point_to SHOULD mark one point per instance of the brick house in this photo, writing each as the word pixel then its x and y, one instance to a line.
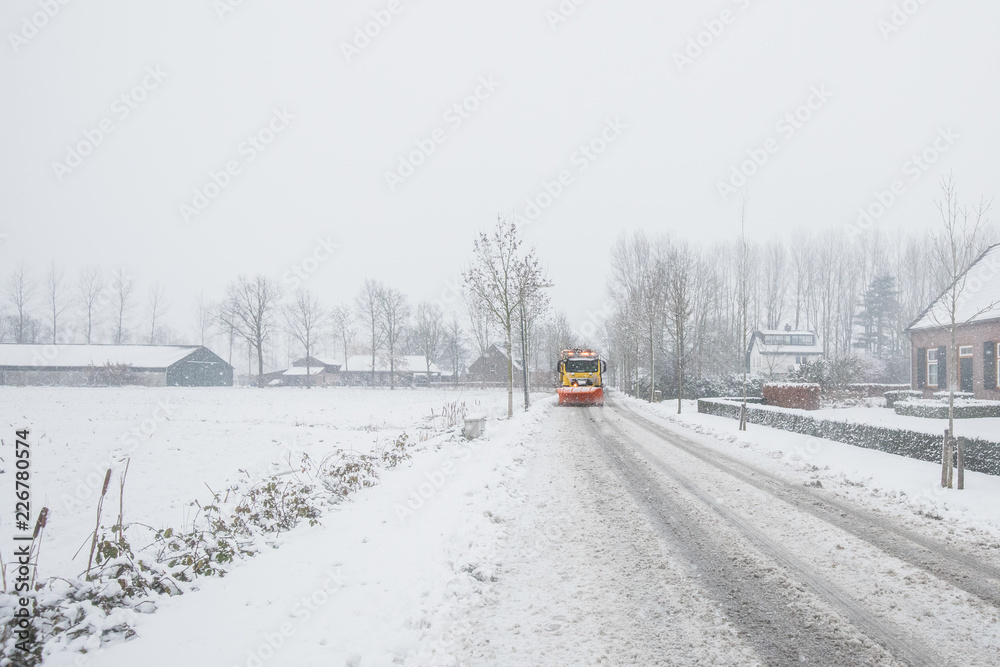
pixel 978 333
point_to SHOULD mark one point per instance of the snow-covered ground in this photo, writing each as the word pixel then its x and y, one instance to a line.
pixel 984 428
pixel 184 441
pixel 866 475
pixel 564 536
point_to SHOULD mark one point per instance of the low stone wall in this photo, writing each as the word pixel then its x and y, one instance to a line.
pixel 980 455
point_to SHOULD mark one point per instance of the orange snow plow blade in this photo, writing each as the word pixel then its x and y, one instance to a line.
pixel 581 395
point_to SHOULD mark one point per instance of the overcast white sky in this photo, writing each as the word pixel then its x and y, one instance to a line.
pixel 324 175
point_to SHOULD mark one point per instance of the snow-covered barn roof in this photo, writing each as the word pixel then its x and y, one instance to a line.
pixel 301 370
pixel 979 299
pixel 410 362
pixel 499 348
pixel 13 355
pixel 325 361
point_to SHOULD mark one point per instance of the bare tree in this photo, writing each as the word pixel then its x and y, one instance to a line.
pixel 56 302
pixel 492 278
pixel 121 295
pixel 532 303
pixel 90 285
pixel 955 248
pixel 157 304
pixel 775 282
pixel 681 275
pixel 429 333
pixel 480 323
pixel 224 320
pixel 344 331
pixel 304 318
pixel 20 290
pixel 369 303
pixel 203 317
pixel 250 307
pixel 394 313
pixel 453 336
pixel 744 289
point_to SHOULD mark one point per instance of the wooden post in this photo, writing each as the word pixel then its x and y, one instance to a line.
pixel 950 454
pixel 944 459
pixel 961 464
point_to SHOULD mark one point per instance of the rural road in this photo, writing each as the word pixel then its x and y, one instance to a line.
pixel 645 547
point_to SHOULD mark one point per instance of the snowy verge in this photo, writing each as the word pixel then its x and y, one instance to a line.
pixel 385 579
pixel 908 488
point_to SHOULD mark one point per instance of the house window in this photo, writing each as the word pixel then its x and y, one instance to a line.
pixel 932 366
pixel 965 351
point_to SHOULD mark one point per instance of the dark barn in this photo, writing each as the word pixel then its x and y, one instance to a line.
pixel 90 365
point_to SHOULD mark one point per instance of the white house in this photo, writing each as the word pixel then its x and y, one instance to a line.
pixel 776 353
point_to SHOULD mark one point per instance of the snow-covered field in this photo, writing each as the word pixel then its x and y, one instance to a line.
pixel 564 536
pixel 184 441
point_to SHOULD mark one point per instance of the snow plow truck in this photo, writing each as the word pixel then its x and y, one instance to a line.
pixel 581 378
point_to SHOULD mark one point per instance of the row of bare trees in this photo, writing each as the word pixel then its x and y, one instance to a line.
pixel 93 308
pixel 684 312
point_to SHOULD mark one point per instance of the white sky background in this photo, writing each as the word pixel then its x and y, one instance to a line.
pixel 324 175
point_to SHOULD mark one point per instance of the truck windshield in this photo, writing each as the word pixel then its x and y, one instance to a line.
pixel 582 365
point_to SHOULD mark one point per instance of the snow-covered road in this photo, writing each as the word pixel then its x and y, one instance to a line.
pixel 648 548
pixel 592 536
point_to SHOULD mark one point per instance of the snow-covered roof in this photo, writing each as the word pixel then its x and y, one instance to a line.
pixel 979 299
pixel 499 348
pixel 782 332
pixel 82 356
pixel 301 370
pixel 790 349
pixel 757 342
pixel 409 362
pixel 325 361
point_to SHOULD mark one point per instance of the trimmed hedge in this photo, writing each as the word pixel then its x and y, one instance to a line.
pixel 801 396
pixel 939 410
pixel 980 455
pixel 893 397
pixel 874 389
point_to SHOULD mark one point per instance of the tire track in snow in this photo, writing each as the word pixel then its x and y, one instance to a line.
pixel 785 623
pixel 946 563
